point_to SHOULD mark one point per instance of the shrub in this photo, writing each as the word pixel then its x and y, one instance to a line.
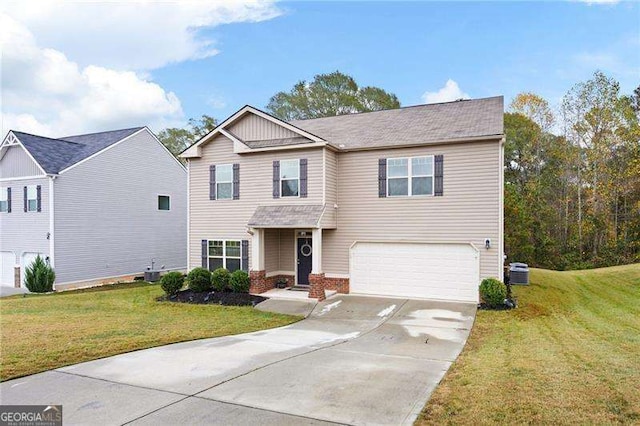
pixel 239 281
pixel 220 279
pixel 39 276
pixel 172 282
pixel 199 280
pixel 493 292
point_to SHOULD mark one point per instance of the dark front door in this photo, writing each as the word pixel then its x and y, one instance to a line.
pixel 305 253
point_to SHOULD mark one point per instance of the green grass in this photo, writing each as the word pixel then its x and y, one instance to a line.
pixel 569 354
pixel 41 332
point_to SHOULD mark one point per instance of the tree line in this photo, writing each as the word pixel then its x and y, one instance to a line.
pixel 572 173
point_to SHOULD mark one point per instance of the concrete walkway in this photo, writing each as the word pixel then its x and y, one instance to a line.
pixel 354 360
pixel 10 291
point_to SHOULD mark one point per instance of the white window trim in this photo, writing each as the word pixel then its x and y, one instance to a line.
pixel 410 177
pixel 224 181
pixel 4 196
pixel 35 188
pixel 224 252
pixel 282 179
pixel 158 202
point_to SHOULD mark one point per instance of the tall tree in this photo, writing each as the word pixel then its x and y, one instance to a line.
pixel 329 95
pixel 178 139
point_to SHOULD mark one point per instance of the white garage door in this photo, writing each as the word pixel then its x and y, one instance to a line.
pixel 27 259
pixel 7 264
pixel 433 271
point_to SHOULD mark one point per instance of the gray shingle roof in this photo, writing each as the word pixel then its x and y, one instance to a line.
pixel 55 155
pixel 290 216
pixel 421 124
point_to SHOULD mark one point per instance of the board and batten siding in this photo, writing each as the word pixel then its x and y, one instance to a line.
pixel 227 219
pixel 16 163
pixel 253 127
pixel 22 231
pixel 468 212
pixel 107 222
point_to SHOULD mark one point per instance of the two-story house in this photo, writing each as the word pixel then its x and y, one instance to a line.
pixel 99 208
pixel 405 202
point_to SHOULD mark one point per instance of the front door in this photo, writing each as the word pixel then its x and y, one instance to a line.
pixel 304 254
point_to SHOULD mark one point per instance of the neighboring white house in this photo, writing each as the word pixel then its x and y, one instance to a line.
pixel 99 207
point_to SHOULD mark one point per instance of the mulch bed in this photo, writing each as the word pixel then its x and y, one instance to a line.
pixel 214 298
pixel 513 304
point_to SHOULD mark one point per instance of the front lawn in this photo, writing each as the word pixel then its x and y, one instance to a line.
pixel 570 353
pixel 41 332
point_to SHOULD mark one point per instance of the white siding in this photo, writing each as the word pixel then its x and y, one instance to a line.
pixel 107 221
pixel 22 231
pixel 16 162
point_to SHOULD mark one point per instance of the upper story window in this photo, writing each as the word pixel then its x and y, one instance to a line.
pixel 4 200
pixel 410 176
pixel 164 202
pixel 32 198
pixel 224 181
pixel 290 178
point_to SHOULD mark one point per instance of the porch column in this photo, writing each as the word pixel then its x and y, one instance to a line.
pixel 316 259
pixel 257 250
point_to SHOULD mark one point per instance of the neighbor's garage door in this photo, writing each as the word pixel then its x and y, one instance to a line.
pixel 433 271
pixel 7 264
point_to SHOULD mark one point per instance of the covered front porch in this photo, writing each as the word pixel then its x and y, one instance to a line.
pixel 286 250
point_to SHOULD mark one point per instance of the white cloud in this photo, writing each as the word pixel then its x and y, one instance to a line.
pixel 134 35
pixel 449 92
pixel 44 92
pixel 73 67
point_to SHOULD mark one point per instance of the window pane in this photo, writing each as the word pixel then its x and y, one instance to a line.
pixel 422 166
pixel 289 169
pixel 215 263
pixel 399 186
pixel 32 193
pixel 163 202
pixel 233 249
pixel 224 173
pixel 290 188
pixel 397 167
pixel 233 264
pixel 3 194
pixel 421 185
pixel 33 205
pixel 223 190
pixel 215 248
pixel 4 206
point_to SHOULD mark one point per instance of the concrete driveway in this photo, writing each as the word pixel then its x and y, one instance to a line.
pixel 354 360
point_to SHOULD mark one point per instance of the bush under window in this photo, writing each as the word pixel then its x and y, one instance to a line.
pixel 220 279
pixel 199 280
pixel 239 281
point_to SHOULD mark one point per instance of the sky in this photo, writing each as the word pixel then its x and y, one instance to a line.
pixel 79 67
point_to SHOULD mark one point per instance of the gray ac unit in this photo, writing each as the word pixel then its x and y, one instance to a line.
pixel 519 273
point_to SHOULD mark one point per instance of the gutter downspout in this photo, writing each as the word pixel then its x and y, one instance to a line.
pixel 52 233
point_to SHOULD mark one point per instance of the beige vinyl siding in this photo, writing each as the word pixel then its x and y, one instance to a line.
pixel 468 212
pixel 272 249
pixel 253 127
pixel 16 163
pixel 287 250
pixel 330 215
pixel 228 219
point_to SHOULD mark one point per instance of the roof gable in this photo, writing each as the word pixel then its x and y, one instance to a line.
pixel 55 155
pixel 251 129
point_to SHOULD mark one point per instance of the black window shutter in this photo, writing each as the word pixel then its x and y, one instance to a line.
pixel 438 175
pixel 245 255
pixel 39 197
pixel 212 182
pixel 205 258
pixel 25 198
pixel 236 181
pixel 382 177
pixel 276 179
pixel 8 200
pixel 303 177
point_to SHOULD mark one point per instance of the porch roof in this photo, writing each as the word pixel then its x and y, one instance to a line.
pixel 288 216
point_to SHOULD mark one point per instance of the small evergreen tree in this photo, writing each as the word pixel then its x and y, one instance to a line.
pixel 39 276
